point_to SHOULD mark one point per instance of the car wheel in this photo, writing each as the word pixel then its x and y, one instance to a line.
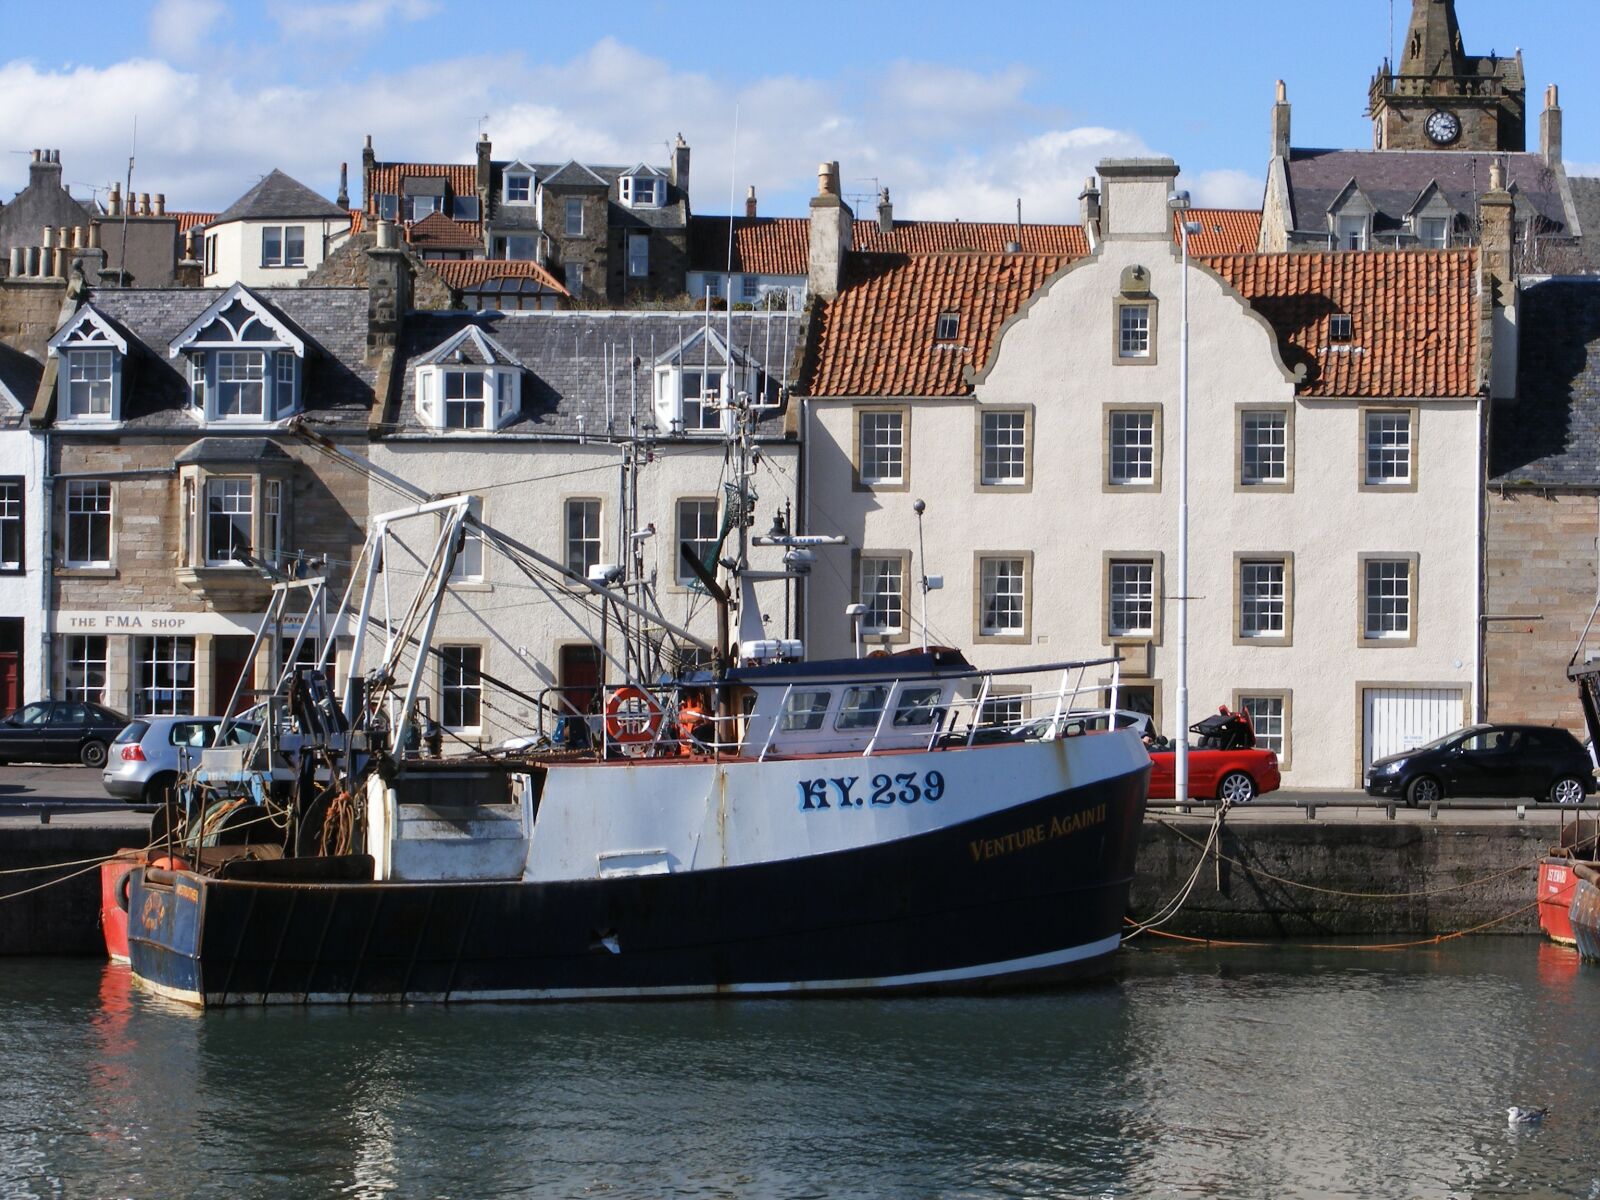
pixel 1423 790
pixel 93 754
pixel 155 791
pixel 1236 788
pixel 1567 790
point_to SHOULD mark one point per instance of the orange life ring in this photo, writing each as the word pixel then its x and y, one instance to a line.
pixel 632 726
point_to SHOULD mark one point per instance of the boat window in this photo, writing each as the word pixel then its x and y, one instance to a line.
pixel 804 712
pixel 861 707
pixel 917 706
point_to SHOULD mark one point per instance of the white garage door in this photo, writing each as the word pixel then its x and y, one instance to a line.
pixel 1395 719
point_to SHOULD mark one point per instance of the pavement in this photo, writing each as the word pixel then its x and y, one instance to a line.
pixel 73 795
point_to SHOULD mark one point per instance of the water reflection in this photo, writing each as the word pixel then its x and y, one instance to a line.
pixel 1213 1073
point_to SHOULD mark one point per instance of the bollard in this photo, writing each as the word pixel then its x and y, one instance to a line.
pixel 1522 812
pixel 1311 812
pixel 44 816
pixel 1389 808
pixel 1433 811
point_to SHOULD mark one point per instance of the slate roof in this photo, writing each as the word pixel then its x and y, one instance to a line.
pixel 1414 318
pixel 1393 180
pixel 1550 434
pixel 233 449
pixel 566 355
pixel 19 376
pixel 463 273
pixel 1222 230
pixel 781 245
pixel 877 337
pixel 337 382
pixel 279 196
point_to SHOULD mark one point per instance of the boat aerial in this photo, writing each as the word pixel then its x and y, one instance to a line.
pixel 744 823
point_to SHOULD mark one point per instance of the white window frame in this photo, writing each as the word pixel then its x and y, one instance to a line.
pixel 1388 599
pixel 285 255
pixel 468 564
pixel 572 207
pixel 91 384
pixel 1263 583
pixel 271 549
pixel 586 542
pixel 253 364
pixel 1134 328
pixel 1131 593
pixel 638 255
pixel 166 661
pixel 85 667
pixel 1131 458
pixel 90 504
pixel 1350 232
pixel 1433 233
pixel 574 279
pixel 1005 448
pixel 461 682
pixel 1389 439
pixel 1002 596
pixel 463 406
pixel 881 442
pixel 881 588
pixel 223 497
pixel 1269 713
pixel 643 191
pixel 694 511
pixel 707 418
pixel 13 524
pixel 1263 460
pixel 517 187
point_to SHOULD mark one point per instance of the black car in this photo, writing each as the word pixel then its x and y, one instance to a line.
pixel 59 731
pixel 1488 760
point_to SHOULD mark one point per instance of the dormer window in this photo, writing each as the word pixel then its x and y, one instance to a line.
pixel 243 363
pixel 1352 233
pixel 469 383
pixel 643 191
pixel 388 205
pixel 91 353
pixel 519 187
pixel 1433 232
pixel 464 208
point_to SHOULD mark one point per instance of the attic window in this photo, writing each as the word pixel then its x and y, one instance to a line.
pixel 641 191
pixel 946 327
pixel 519 188
pixel 1341 327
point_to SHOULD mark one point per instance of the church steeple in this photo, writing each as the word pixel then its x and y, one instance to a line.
pixel 1443 98
pixel 1433 41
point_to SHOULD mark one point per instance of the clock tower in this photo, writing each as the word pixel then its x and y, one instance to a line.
pixel 1443 98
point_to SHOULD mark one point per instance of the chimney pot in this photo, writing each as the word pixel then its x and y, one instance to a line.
pixel 750 203
pixel 828 179
pixel 1283 93
pixel 160 208
pixel 885 213
pixel 144 204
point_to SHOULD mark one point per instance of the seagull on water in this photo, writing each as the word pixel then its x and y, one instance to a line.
pixel 1517 1115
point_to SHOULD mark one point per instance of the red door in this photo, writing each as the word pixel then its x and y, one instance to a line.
pixel 230 663
pixel 10 664
pixel 580 676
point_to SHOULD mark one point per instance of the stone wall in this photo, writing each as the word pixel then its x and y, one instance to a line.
pixel 1539 568
pixel 29 313
pixel 348 267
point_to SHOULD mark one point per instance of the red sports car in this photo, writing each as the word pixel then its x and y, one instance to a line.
pixel 1223 763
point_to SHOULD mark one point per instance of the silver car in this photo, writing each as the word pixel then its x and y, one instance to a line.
pixel 148 754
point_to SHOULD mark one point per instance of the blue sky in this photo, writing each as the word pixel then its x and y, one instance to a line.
pixel 958 108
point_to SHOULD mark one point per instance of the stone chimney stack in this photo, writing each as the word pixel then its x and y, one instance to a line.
pixel 1089 211
pixel 369 163
pixel 1133 206
pixel 343 198
pixel 1497 281
pixel 1550 127
pixel 680 167
pixel 158 206
pixel 389 281
pixel 885 213
pixel 485 161
pixel 750 203
pixel 114 201
pixel 832 231
pixel 44 171
pixel 1280 123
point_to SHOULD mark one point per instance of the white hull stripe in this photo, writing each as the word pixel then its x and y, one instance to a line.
pixel 1015 966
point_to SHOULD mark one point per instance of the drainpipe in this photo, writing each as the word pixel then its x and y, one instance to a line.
pixel 1480 627
pixel 47 610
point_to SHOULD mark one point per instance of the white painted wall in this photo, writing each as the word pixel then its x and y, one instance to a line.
pixel 524 486
pixel 21 595
pixel 239 251
pixel 1058 356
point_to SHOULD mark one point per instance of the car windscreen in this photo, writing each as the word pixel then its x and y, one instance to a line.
pixel 132 732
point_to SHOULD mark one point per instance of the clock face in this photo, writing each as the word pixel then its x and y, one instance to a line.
pixel 1443 127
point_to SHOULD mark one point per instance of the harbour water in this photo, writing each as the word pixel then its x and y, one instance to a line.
pixel 1291 1071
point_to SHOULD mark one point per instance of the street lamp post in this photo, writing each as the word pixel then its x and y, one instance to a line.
pixel 1178 202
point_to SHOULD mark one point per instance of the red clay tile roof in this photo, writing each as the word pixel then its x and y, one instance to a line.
pixel 386 178
pixel 1414 318
pixel 441 232
pixel 989 237
pixel 780 245
pixel 188 220
pixel 357 221
pixel 761 245
pixel 463 273
pixel 877 337
pixel 1223 230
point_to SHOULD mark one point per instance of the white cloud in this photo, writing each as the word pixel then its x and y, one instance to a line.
pixel 181 27
pixel 949 142
pixel 1226 189
pixel 338 18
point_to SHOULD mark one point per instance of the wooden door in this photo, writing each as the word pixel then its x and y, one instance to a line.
pixel 230 662
pixel 10 664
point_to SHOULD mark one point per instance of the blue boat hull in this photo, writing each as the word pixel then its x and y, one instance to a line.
pixel 1035 893
pixel 1585 917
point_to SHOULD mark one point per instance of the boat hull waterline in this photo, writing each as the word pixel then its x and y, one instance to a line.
pixel 1033 893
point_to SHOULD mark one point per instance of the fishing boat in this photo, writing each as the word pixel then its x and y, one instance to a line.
pixel 1569 902
pixel 750 823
